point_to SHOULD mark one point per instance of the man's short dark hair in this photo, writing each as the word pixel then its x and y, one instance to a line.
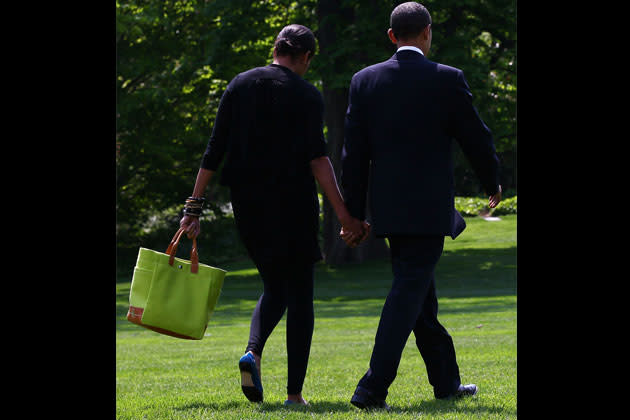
pixel 409 19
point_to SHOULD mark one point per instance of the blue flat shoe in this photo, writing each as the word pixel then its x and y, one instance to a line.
pixel 250 381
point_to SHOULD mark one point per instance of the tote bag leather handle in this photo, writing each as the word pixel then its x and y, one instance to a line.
pixel 172 250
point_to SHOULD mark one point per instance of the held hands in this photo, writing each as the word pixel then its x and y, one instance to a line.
pixel 353 231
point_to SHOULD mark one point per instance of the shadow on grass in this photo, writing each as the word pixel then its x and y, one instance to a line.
pixel 454 406
pixel 320 407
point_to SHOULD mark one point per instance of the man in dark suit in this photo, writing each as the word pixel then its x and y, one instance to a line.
pixel 402 116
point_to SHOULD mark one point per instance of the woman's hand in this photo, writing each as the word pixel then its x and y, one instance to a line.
pixel 191 225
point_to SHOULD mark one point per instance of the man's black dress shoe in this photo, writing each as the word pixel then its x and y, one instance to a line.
pixel 366 400
pixel 463 390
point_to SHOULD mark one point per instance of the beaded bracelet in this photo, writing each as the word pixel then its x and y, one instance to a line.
pixel 188 212
pixel 192 212
pixel 193 206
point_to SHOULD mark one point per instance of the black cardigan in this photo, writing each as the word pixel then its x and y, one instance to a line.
pixel 269 126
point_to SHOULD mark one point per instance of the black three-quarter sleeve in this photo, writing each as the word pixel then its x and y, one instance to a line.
pixel 316 142
pixel 217 144
pixel 474 137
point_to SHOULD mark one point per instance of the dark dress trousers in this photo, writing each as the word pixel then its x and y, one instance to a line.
pixel 402 117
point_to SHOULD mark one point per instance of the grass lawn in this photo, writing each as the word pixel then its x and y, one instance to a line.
pixel 160 377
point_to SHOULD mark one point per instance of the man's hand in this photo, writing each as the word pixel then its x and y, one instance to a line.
pixel 191 225
pixel 494 200
pixel 352 238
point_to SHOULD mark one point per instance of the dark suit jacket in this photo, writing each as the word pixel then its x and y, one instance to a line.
pixel 402 116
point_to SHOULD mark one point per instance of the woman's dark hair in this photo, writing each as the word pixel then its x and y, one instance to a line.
pixel 294 40
pixel 409 19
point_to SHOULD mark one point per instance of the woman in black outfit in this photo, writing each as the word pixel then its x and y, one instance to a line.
pixel 269 130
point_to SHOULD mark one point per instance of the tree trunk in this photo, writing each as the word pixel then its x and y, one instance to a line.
pixel 335 105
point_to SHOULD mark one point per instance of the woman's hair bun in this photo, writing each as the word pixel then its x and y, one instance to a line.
pixel 294 40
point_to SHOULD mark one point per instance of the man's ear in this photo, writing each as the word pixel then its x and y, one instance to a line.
pixel 426 33
pixel 308 56
pixel 392 37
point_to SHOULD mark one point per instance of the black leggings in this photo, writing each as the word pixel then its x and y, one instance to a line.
pixel 287 286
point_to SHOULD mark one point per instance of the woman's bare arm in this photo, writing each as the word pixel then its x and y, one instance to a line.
pixel 191 223
pixel 324 174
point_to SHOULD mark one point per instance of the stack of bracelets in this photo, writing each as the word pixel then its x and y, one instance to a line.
pixel 193 206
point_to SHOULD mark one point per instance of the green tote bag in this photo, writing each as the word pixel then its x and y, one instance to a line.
pixel 173 296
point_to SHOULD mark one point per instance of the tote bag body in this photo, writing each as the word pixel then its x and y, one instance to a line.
pixel 173 296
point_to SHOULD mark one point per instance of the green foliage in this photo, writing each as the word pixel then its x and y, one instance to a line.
pixel 175 58
pixel 479 37
pixel 167 97
pixel 506 206
pixel 473 206
pixel 470 206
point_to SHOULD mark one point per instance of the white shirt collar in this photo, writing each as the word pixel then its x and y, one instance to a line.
pixel 409 47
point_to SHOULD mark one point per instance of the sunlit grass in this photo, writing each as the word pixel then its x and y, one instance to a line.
pixel 160 377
